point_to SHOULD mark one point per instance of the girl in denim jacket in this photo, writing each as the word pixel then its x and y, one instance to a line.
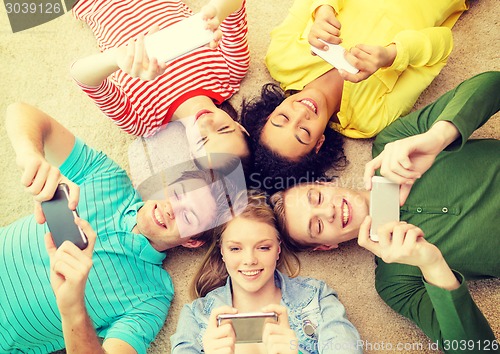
pixel 239 274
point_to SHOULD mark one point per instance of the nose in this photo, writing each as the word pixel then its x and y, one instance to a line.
pixel 301 111
pixel 249 258
pixel 327 210
pixel 205 122
pixel 169 212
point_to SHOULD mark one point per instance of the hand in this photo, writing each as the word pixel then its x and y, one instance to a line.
pixel 325 27
pixel 279 338
pixel 210 16
pixel 404 161
pixel 219 339
pixel 69 270
pixel 399 242
pixel 133 59
pixel 368 59
pixel 40 179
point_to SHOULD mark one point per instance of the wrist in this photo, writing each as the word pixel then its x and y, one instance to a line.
pixel 444 133
pixel 323 11
pixel 391 51
pixel 439 274
pixel 73 313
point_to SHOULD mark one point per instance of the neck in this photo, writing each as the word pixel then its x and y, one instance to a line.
pixel 190 107
pixel 252 302
pixel 331 85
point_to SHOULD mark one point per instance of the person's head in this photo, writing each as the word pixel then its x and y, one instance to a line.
pixel 185 214
pixel 216 131
pixel 319 216
pixel 289 139
pixel 247 248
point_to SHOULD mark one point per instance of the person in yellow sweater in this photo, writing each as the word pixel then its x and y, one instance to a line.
pixel 398 47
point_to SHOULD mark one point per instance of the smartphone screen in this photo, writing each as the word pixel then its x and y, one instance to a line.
pixel 384 204
pixel 61 219
pixel 178 39
pixel 248 327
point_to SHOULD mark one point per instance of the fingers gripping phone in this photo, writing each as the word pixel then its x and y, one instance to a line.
pixel 248 327
pixel 384 204
pixel 61 219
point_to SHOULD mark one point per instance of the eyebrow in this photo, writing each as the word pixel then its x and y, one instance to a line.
pixel 295 135
pixel 206 139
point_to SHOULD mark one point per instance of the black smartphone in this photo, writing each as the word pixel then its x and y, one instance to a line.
pixel 61 219
pixel 248 327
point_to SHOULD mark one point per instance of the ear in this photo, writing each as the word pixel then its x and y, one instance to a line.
pixel 279 252
pixel 319 143
pixel 242 128
pixel 325 247
pixel 193 244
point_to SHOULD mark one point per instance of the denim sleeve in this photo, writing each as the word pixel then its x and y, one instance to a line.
pixel 187 337
pixel 335 333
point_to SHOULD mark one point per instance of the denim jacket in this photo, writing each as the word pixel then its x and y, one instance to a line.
pixel 314 312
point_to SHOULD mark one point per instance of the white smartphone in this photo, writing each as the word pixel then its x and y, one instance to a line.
pixel 384 204
pixel 335 56
pixel 248 327
pixel 178 39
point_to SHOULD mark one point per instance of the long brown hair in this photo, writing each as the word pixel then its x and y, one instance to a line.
pixel 212 272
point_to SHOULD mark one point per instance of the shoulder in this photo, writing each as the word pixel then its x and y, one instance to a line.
pixel 203 306
pixel 302 291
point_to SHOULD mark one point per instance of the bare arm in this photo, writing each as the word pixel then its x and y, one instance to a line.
pixel 69 270
pixel 41 145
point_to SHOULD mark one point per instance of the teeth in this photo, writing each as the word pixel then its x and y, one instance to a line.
pixel 158 217
pixel 249 273
pixel 345 213
pixel 309 104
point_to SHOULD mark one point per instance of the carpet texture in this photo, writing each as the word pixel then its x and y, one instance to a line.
pixel 34 68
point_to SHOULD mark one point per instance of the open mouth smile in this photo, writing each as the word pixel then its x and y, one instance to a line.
pixel 310 104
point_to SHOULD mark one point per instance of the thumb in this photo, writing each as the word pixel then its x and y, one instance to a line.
pixel 90 233
pixel 153 29
pixel 404 191
pixel 406 162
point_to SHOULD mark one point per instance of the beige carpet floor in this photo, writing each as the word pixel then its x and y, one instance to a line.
pixel 34 68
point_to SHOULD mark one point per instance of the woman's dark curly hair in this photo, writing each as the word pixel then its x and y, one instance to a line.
pixel 273 172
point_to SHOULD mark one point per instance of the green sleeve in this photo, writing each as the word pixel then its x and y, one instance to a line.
pixel 468 106
pixel 444 316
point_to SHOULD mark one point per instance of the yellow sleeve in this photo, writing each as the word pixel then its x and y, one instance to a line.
pixel 335 4
pixel 425 47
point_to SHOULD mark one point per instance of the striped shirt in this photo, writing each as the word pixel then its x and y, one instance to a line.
pixel 128 292
pixel 143 107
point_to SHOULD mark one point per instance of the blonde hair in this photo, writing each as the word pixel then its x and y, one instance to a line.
pixel 212 272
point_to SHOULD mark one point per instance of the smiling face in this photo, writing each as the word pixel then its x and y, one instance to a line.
pixel 214 131
pixel 250 250
pixel 296 126
pixel 188 210
pixel 322 214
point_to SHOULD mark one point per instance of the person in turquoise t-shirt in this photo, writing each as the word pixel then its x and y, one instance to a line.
pixel 450 189
pixel 116 289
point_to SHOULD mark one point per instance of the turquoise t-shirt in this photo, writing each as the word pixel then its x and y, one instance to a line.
pixel 128 293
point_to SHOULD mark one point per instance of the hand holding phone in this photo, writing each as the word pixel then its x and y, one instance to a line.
pixel 178 39
pixel 61 219
pixel 248 327
pixel 335 55
pixel 384 204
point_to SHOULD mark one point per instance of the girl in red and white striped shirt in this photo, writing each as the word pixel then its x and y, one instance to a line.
pixel 142 95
